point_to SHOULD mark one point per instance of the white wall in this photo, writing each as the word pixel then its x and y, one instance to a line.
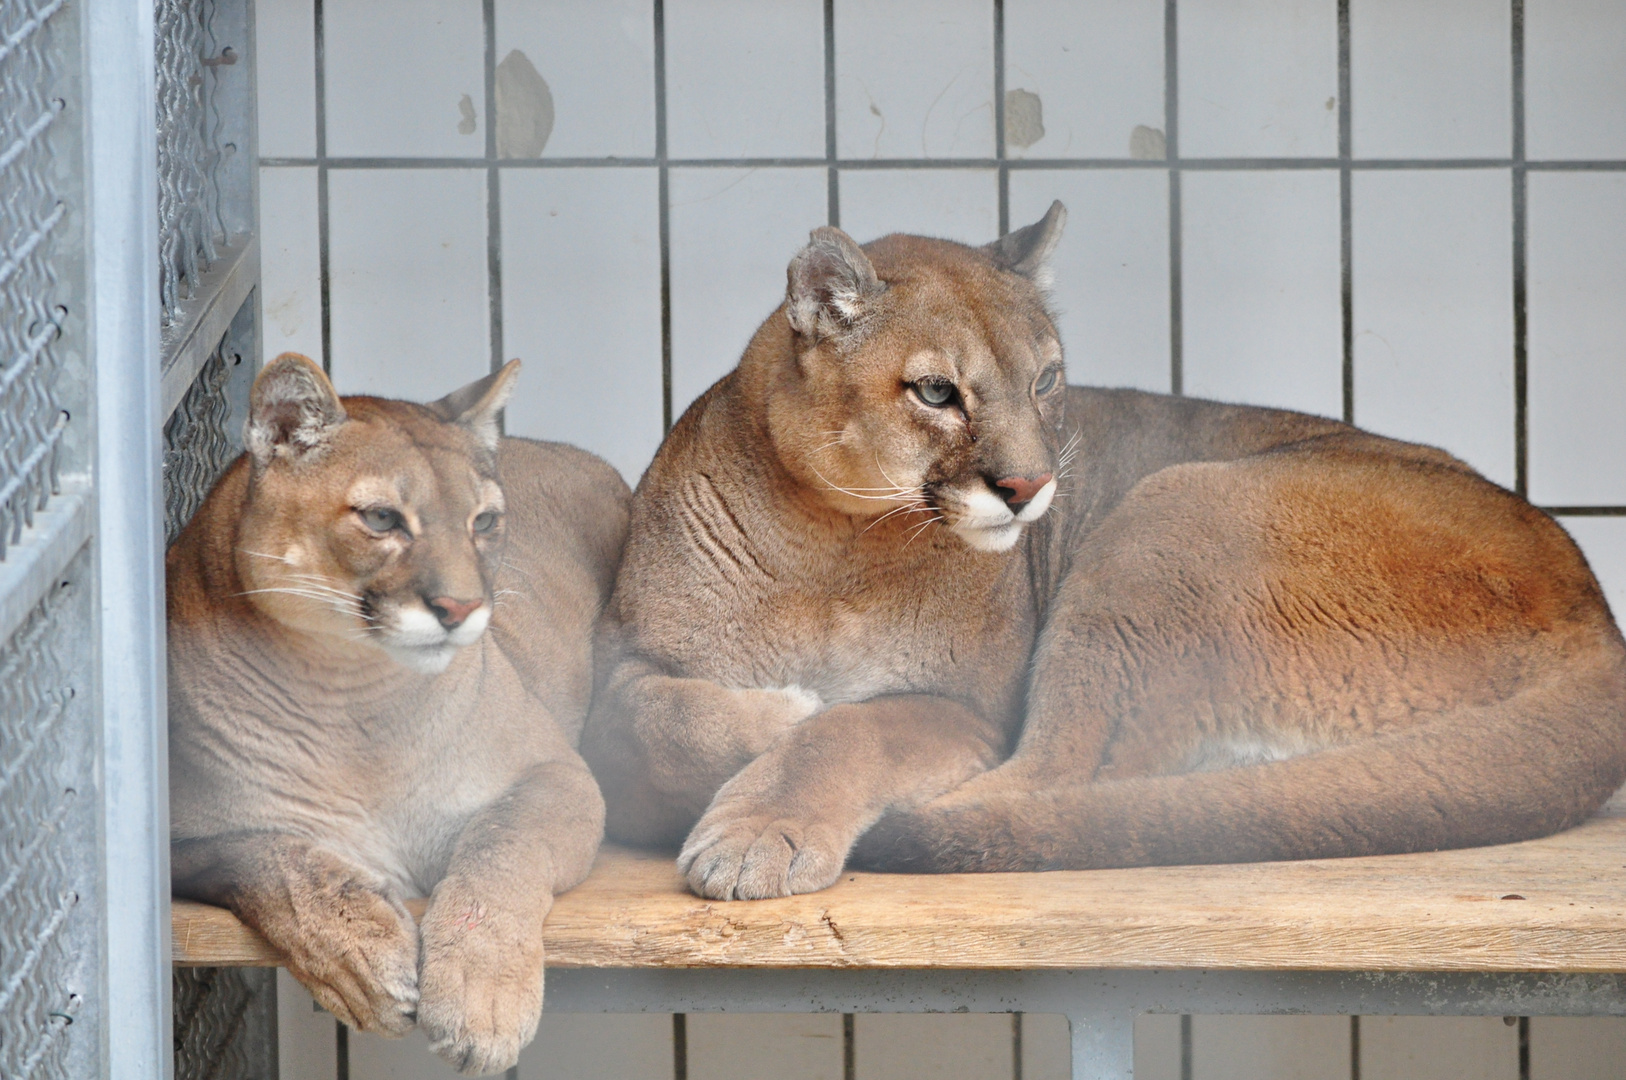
pixel 1366 258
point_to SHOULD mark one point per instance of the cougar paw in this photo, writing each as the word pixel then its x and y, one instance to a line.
pixel 353 947
pixel 481 983
pixel 757 857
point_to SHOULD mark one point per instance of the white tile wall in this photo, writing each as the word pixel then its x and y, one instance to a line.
pixel 306 1036
pixel 285 71
pixel 1577 338
pixel 593 1046
pixel 1261 295
pixel 912 87
pixel 1112 270
pixel 1258 78
pixel 973 1046
pixel 1270 1047
pixel 407 257
pixel 954 204
pixel 1574 79
pixel 1603 541
pixel 1439 1048
pixel 745 79
pixel 1431 80
pixel 1096 67
pixel 1433 312
pixel 733 233
pixel 1577 1048
pixel 398 72
pixel 581 308
pixel 290 264
pixel 746 1046
pixel 598 60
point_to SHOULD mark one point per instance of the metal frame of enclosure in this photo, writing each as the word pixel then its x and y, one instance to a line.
pixel 128 263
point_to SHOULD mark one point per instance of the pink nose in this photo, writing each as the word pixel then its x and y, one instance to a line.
pixel 452 613
pixel 1023 488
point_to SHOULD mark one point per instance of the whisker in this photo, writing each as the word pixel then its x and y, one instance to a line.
pixel 920 508
pixel 921 528
pixel 263 555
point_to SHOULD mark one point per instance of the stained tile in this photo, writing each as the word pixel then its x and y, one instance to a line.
pixel 1577 372
pixel 582 309
pixel 598 62
pixel 733 232
pixel 290 290
pixel 1111 290
pixel 405 78
pixel 1433 294
pixel 914 82
pixel 1574 81
pixel 306 1036
pixel 745 79
pixel 1262 317
pixel 407 256
pixel 595 1046
pixel 1431 80
pixel 1270 1048
pixel 745 1046
pixel 1438 1047
pixel 962 1046
pixel 285 73
pixel 1094 70
pixel 1258 78
pixel 955 204
pixel 1603 541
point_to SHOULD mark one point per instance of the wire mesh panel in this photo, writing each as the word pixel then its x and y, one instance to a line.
pixel 196 446
pixel 31 211
pixel 47 827
pixel 225 1023
pixel 188 150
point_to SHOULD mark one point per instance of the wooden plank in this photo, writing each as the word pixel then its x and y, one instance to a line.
pixel 1557 904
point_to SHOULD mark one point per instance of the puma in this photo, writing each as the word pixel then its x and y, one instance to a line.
pixel 892 583
pixel 380 627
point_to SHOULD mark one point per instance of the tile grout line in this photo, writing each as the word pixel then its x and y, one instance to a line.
pixel 1524 1048
pixel 1354 1044
pixel 990 164
pixel 849 1056
pixel 1521 316
pixel 832 192
pixel 664 209
pixel 1185 1048
pixel 680 1033
pixel 999 119
pixel 488 14
pixel 1346 258
pixel 1016 1046
pixel 323 276
pixel 1171 152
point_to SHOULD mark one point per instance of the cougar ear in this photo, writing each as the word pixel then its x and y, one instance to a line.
pixel 293 411
pixel 476 405
pixel 1027 251
pixel 829 285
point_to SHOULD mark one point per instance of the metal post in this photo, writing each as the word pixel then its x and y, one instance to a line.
pixel 129 511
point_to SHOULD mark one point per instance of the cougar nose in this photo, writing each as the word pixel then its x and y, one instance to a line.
pixel 450 612
pixel 1022 488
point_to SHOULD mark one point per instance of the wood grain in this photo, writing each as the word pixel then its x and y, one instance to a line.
pixel 1442 911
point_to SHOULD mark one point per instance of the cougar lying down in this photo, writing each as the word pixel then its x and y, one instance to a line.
pixel 893 576
pixel 379 649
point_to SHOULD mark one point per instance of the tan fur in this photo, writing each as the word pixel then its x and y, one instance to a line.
pixel 329 756
pixel 1238 633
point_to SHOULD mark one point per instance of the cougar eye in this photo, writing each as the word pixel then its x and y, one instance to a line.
pixel 935 392
pixel 380 518
pixel 485 521
pixel 1046 383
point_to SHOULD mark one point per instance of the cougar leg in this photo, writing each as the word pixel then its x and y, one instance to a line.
pixel 482 934
pixel 785 823
pixel 345 934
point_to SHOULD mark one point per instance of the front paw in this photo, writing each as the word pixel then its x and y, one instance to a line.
pixel 743 852
pixel 481 979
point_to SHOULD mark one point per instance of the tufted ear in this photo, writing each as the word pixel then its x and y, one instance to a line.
pixel 830 285
pixel 476 405
pixel 1027 251
pixel 293 411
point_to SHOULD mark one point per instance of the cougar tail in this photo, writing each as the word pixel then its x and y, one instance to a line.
pixel 1537 762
